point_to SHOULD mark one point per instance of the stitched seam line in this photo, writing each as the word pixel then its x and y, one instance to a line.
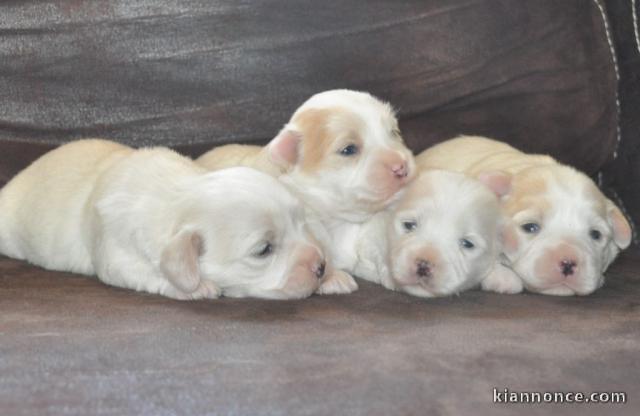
pixel 614 59
pixel 636 32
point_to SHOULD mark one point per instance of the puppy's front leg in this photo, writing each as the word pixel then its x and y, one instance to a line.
pixel 337 282
pixel 502 280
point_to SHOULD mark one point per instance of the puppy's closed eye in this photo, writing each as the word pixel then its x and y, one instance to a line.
pixel 264 250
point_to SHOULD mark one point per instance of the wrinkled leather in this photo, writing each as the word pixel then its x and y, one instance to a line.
pixel 191 74
pixel 198 73
pixel 70 345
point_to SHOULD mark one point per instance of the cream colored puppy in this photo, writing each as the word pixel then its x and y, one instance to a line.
pixel 154 221
pixel 439 239
pixel 562 232
pixel 342 154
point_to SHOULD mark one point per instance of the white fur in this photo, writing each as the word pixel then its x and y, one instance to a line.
pixel 446 207
pixel 567 221
pixel 565 204
pixel 343 193
pixel 154 221
pixel 339 201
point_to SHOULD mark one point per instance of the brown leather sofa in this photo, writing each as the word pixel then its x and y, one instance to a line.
pixel 558 77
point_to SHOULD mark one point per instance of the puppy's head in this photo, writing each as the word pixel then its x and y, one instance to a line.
pixel 344 153
pixel 244 231
pixel 443 233
pixel 563 232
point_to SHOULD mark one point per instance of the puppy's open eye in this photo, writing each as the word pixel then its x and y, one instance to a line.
pixel 409 226
pixel 595 235
pixel 349 150
pixel 531 228
pixel 467 244
pixel 265 250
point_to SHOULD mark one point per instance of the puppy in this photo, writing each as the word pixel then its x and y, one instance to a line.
pixel 232 155
pixel 439 239
pixel 342 154
pixel 562 232
pixel 154 221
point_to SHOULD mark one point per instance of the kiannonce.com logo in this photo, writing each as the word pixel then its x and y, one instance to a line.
pixel 509 396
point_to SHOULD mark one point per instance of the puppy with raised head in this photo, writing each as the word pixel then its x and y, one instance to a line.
pixel 342 154
pixel 561 232
pixel 154 221
pixel 439 239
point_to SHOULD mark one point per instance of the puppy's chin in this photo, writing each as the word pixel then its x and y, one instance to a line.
pixel 372 201
pixel 275 294
pixel 561 289
pixel 301 283
pixel 435 286
pixel 416 290
pixel 384 192
pixel 429 290
pixel 540 269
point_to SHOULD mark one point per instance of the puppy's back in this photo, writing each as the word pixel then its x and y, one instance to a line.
pixel 233 155
pixel 475 154
pixel 42 208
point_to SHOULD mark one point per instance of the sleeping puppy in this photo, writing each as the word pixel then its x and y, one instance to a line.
pixel 342 155
pixel 439 239
pixel 562 232
pixel 232 155
pixel 154 221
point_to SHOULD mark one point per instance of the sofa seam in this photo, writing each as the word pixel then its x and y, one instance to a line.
pixel 614 60
pixel 636 31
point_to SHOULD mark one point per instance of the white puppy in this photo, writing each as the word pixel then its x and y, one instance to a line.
pixel 154 221
pixel 439 239
pixel 343 155
pixel 562 232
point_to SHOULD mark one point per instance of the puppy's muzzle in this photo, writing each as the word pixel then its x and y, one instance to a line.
pixel 568 267
pixel 562 263
pixel 400 170
pixel 424 269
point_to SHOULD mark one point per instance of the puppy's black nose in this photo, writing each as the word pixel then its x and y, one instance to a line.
pixel 568 267
pixel 319 269
pixel 423 268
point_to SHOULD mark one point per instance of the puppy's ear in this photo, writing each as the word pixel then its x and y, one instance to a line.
pixel 179 260
pixel 498 181
pixel 284 149
pixel 621 227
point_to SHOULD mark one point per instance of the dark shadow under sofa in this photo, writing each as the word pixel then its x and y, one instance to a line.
pixel 554 77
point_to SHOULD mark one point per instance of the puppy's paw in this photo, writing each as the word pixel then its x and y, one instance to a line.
pixel 338 282
pixel 502 280
pixel 389 283
pixel 206 290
